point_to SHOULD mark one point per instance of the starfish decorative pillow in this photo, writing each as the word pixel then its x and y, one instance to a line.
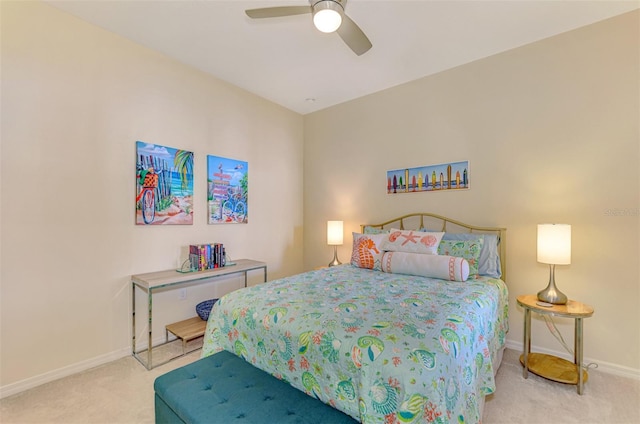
pixel 411 241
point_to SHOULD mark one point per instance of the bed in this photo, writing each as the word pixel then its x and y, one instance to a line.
pixel 382 347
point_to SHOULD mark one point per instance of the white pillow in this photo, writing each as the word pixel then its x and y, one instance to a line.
pixel 411 242
pixel 450 268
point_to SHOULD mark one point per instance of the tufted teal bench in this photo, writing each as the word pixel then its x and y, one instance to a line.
pixel 223 389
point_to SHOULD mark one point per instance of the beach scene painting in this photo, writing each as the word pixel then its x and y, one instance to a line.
pixel 430 178
pixel 227 190
pixel 164 185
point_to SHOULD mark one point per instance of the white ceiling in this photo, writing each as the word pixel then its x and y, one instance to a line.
pixel 289 62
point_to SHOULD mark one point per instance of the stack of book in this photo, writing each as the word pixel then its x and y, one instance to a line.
pixel 206 256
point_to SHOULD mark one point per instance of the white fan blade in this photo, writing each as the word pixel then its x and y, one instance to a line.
pixel 353 36
pixel 275 12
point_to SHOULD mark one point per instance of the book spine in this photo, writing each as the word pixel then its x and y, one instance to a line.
pixel 193 256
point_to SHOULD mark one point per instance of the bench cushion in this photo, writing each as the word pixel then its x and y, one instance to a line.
pixel 223 388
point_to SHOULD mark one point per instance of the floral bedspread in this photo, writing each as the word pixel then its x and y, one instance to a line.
pixel 383 348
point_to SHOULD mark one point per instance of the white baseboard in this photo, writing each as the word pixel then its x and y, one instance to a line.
pixel 605 367
pixel 29 383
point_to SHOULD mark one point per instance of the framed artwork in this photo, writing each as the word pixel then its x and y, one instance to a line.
pixel 445 176
pixel 164 185
pixel 227 190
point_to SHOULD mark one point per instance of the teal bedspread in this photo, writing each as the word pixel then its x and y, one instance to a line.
pixel 383 348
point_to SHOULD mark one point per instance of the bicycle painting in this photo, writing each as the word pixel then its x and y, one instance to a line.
pixel 147 197
pixel 227 190
pixel 164 185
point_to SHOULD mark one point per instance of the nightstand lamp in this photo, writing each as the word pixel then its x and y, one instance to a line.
pixel 554 248
pixel 335 239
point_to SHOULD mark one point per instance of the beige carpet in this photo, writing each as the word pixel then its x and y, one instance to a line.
pixel 606 399
pixel 122 392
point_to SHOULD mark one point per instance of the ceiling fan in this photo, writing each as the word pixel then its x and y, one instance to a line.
pixel 328 16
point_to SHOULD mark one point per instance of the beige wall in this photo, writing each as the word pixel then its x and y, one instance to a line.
pixel 75 99
pixel 551 133
pixel 551 130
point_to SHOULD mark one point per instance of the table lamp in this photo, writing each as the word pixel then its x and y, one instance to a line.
pixel 554 248
pixel 334 238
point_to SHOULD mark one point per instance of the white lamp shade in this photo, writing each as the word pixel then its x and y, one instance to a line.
pixel 326 16
pixel 554 244
pixel 334 233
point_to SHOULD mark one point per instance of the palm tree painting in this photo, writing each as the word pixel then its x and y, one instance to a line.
pixel 164 185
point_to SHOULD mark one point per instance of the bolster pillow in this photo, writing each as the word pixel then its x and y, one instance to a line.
pixel 450 268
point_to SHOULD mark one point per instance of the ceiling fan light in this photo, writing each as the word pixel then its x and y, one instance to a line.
pixel 327 16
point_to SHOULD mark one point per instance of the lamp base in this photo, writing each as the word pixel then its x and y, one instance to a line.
pixel 551 294
pixel 335 261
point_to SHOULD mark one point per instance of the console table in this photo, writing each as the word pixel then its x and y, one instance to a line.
pixel 153 281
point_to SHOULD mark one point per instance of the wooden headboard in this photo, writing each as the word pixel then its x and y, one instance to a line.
pixel 415 221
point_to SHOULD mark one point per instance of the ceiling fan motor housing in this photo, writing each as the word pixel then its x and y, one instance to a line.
pixel 341 3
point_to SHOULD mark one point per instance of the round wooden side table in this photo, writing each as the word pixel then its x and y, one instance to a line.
pixel 549 366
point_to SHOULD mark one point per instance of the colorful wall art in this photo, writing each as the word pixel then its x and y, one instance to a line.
pixel 227 190
pixel 446 176
pixel 164 185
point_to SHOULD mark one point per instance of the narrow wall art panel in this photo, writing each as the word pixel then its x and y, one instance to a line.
pixel 164 185
pixel 227 190
pixel 445 176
